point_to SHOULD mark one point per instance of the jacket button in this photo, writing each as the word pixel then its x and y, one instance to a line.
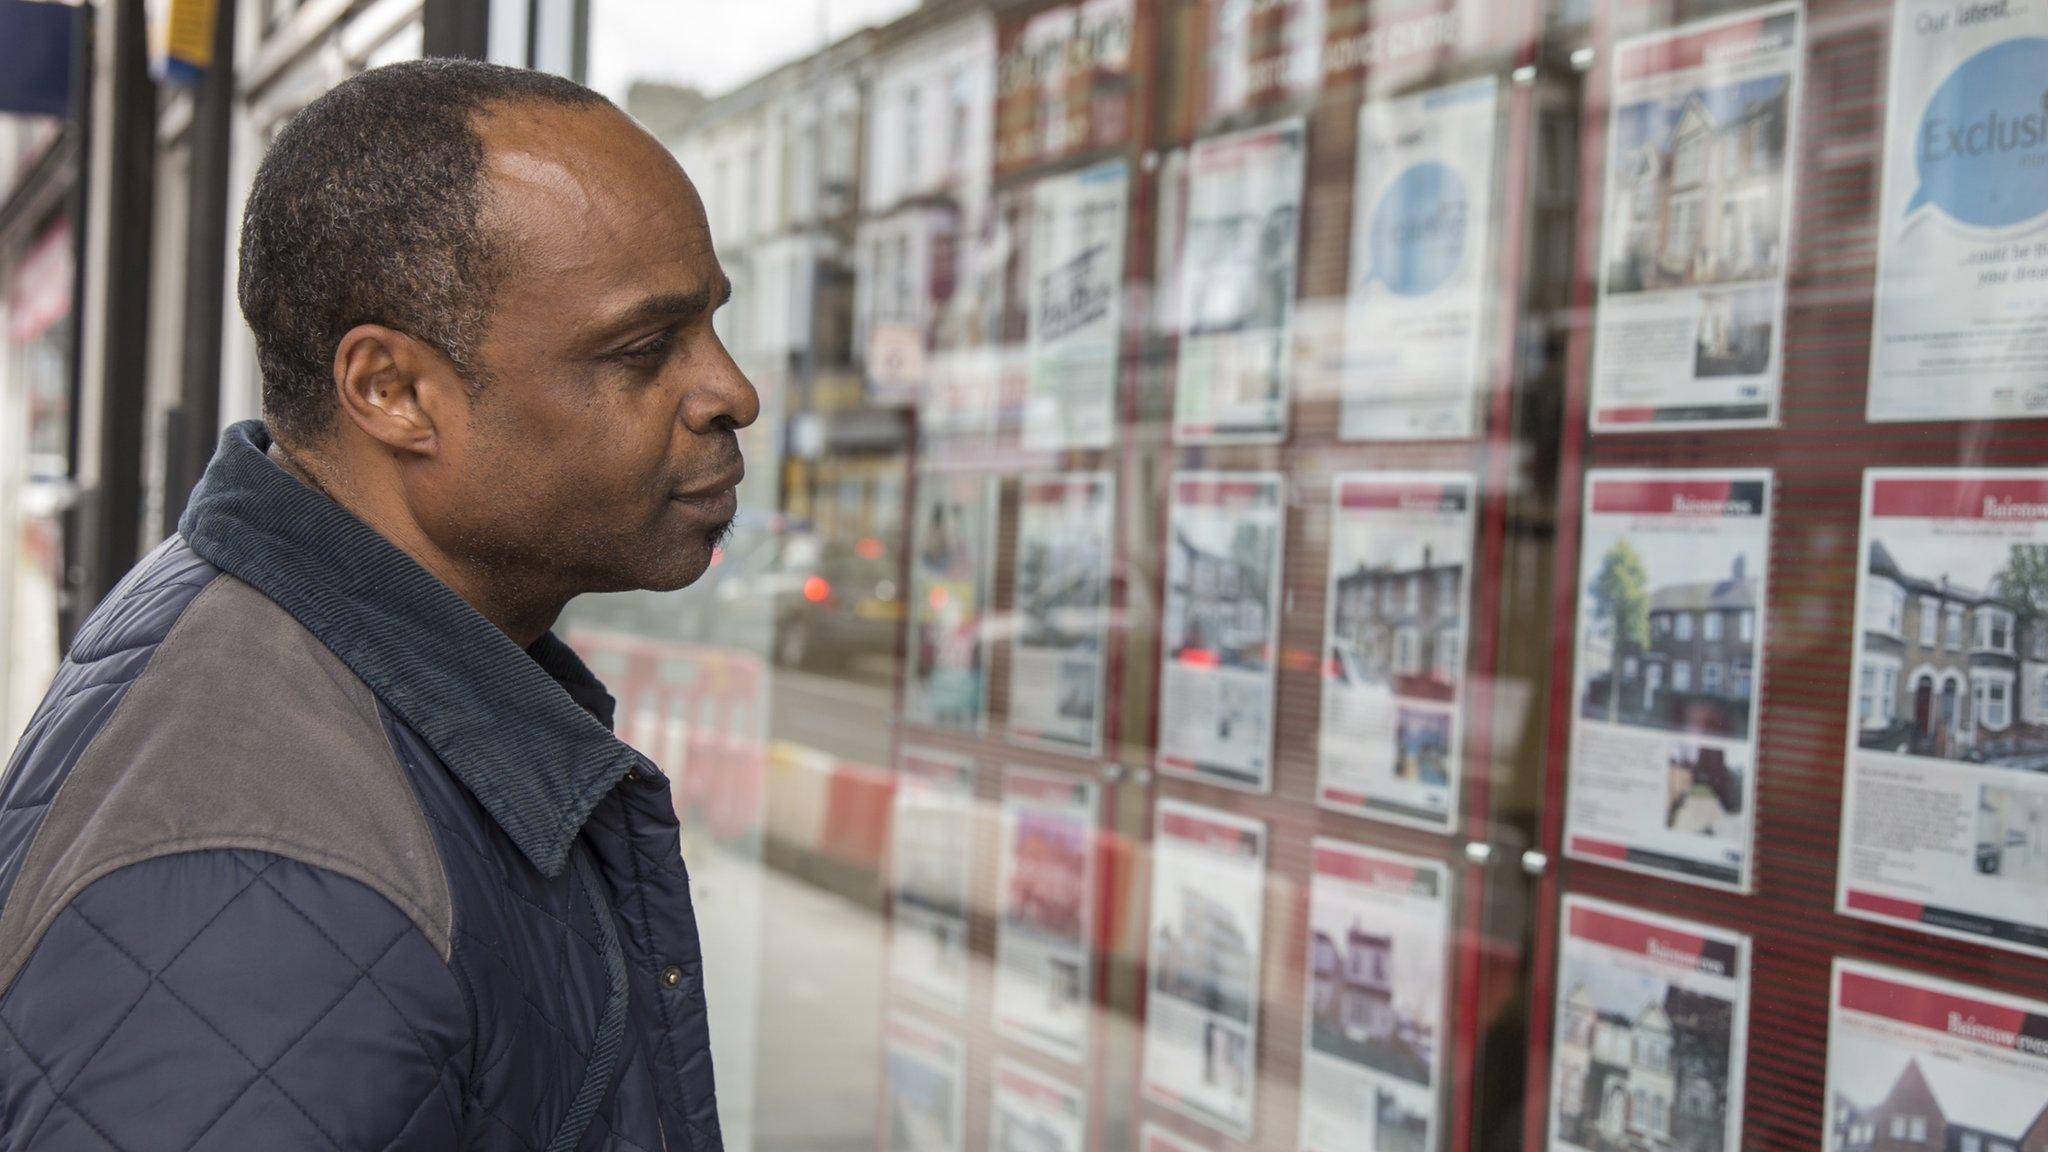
pixel 671 976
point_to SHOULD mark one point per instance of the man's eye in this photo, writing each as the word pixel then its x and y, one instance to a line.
pixel 653 349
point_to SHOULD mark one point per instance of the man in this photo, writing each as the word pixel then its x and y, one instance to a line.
pixel 321 840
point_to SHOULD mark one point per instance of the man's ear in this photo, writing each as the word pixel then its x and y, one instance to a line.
pixel 399 390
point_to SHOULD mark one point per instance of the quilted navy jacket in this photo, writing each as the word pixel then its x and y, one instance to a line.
pixel 301 852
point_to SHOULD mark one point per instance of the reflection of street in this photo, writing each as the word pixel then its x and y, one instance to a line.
pixel 842 717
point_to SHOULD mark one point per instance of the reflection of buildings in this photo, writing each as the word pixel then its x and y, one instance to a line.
pixel 1702 205
pixel 1950 671
pixel 1206 958
pixel 1219 604
pixel 1911 1116
pixel 1352 1010
pixel 1048 885
pixel 1060 590
pixel 1402 624
pixel 1694 672
pixel 1656 1079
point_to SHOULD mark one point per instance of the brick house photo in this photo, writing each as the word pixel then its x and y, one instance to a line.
pixel 1694 669
pixel 1643 1066
pixel 1401 624
pixel 1915 1114
pixel 1951 668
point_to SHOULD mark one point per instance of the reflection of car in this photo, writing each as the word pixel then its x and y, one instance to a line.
pixel 1988 858
pixel 834 601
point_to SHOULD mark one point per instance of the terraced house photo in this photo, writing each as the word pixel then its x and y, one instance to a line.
pixel 1955 653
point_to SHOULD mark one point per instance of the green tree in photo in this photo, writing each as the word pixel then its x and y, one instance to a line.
pixel 2025 580
pixel 1621 598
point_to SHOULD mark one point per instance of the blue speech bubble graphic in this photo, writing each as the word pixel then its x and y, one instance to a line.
pixel 1418 229
pixel 1982 151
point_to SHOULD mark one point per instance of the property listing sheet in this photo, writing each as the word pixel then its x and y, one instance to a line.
pixel 1237 273
pixel 1221 627
pixel 1394 633
pixel 1651 1035
pixel 1075 307
pixel 1945 801
pixel 1916 1062
pixel 1421 230
pixel 925 1088
pixel 1064 538
pixel 952 539
pixel 1373 1035
pixel 930 860
pixel 1032 1112
pixel 1960 330
pixel 1159 1138
pixel 1697 220
pixel 1672 582
pixel 1206 941
pixel 1045 936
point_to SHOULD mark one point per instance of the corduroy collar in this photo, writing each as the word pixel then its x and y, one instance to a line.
pixel 526 731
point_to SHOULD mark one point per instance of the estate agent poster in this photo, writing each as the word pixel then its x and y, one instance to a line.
pixel 1206 937
pixel 1420 243
pixel 1394 646
pixel 1690 331
pixel 1915 1062
pixel 951 541
pixel 1221 627
pixel 1045 937
pixel 1634 988
pixel 1076 307
pixel 1237 285
pixel 1671 613
pixel 1962 235
pixel 1372 1063
pixel 930 858
pixel 1945 806
pixel 1064 524
pixel 1029 1112
pixel 926 1088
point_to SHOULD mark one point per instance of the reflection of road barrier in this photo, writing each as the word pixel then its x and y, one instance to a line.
pixel 828 820
pixel 700 714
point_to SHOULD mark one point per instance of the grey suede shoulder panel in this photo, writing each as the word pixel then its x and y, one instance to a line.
pixel 244 732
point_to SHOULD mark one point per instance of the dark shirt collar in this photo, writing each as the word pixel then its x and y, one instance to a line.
pixel 527 731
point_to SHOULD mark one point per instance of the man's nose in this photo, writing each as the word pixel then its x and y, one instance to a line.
pixel 722 398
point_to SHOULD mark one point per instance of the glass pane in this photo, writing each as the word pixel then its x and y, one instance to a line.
pixel 1366 574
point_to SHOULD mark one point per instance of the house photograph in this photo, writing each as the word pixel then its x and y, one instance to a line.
pixel 1669 639
pixel 1218 607
pixel 1205 957
pixel 1886 1100
pixel 1641 1065
pixel 1698 187
pixel 1953 663
pixel 1357 1013
pixel 1398 619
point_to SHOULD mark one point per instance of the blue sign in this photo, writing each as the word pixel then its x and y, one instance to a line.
pixel 36 38
pixel 1983 146
pixel 1418 229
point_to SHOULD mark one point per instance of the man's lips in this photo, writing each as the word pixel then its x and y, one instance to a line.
pixel 719 498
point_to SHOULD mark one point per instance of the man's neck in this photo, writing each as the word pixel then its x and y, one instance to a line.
pixel 522 615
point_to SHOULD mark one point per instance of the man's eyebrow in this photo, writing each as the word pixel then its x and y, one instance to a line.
pixel 678 305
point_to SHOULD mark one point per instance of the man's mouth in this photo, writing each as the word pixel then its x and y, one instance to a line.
pixel 718 500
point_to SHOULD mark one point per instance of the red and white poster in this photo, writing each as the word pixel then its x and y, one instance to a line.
pixel 1394 646
pixel 1221 628
pixel 1378 962
pixel 1945 805
pixel 1045 937
pixel 930 860
pixel 1663 762
pixel 924 1089
pixel 1651 1037
pixel 1207 934
pixel 1064 82
pixel 1916 1062
pixel 1031 1112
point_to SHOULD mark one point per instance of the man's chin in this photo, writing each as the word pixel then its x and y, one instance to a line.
pixel 685 565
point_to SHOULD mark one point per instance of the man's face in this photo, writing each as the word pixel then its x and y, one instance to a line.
pixel 600 453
